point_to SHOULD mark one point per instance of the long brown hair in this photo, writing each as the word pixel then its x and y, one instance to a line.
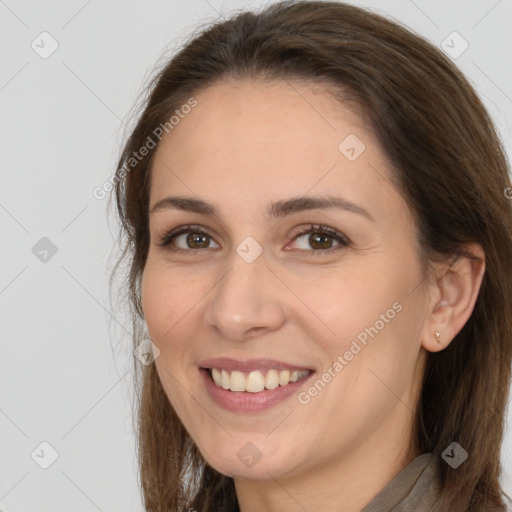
pixel 450 168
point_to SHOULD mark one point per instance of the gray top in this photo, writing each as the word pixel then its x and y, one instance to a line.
pixel 414 489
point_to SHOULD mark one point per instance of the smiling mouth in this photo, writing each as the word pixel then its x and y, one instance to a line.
pixel 255 381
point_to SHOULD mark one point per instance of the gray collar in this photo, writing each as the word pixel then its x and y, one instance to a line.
pixel 415 488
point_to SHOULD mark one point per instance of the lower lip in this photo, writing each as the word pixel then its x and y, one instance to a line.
pixel 244 401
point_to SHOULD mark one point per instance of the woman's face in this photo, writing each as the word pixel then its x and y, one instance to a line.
pixel 259 296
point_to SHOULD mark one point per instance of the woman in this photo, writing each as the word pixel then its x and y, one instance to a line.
pixel 320 244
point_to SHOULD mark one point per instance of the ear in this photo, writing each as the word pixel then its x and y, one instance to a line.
pixel 453 298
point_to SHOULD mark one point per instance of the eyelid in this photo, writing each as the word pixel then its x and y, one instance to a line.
pixel 167 237
pixel 321 228
pixel 343 241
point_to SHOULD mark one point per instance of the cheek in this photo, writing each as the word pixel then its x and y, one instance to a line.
pixel 345 302
pixel 155 302
pixel 167 301
pixel 363 313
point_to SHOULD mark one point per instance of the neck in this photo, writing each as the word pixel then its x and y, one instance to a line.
pixel 341 485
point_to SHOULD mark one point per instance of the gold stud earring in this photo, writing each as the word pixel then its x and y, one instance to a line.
pixel 438 337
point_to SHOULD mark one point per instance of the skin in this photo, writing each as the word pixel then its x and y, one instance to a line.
pixel 245 145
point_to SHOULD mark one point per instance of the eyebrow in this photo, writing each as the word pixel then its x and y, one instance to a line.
pixel 278 209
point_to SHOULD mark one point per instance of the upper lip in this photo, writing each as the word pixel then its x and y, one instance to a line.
pixel 228 364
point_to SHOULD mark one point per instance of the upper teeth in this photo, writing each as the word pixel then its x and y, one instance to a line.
pixel 255 381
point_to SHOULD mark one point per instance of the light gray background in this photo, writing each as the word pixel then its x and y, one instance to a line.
pixel 65 377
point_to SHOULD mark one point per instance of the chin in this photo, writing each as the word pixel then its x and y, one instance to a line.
pixel 247 459
pixel 261 470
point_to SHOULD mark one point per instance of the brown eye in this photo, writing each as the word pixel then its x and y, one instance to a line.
pixel 320 239
pixel 186 239
pixel 197 240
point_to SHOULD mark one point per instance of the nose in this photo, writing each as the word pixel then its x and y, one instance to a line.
pixel 246 302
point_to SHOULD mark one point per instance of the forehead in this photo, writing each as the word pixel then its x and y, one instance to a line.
pixel 252 138
pixel 270 112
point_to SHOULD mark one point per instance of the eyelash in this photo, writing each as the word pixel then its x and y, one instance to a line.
pixel 310 229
